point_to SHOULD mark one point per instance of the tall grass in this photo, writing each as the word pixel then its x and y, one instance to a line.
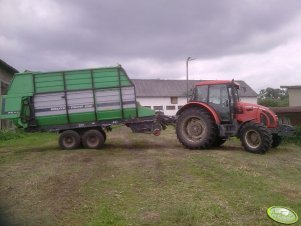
pixel 11 134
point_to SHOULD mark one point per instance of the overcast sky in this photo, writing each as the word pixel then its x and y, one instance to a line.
pixel 258 41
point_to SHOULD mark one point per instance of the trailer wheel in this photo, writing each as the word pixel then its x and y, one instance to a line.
pixel 276 140
pixel 93 139
pixel 256 138
pixel 196 129
pixel 69 139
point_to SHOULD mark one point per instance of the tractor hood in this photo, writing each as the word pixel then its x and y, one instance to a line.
pixel 258 113
pixel 254 106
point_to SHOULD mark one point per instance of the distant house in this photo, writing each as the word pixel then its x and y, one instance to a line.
pixel 294 93
pixel 170 95
pixel 292 114
pixel 6 74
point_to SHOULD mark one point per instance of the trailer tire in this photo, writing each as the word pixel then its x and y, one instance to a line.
pixel 255 138
pixel 69 139
pixel 196 129
pixel 276 140
pixel 93 139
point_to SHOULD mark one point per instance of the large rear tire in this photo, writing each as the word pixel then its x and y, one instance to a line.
pixel 93 139
pixel 276 140
pixel 69 139
pixel 256 138
pixel 195 129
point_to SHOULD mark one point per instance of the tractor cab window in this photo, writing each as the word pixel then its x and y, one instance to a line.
pixel 200 94
pixel 234 97
pixel 219 100
pixel 231 96
pixel 218 94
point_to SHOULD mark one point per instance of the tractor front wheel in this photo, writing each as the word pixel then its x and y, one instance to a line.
pixel 255 138
pixel 195 129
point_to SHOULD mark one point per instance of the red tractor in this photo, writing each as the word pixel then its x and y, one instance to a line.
pixel 215 113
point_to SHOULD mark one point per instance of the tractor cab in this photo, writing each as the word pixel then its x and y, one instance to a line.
pixel 221 95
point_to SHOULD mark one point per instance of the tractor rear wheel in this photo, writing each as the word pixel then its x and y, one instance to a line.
pixel 195 129
pixel 69 139
pixel 255 138
pixel 276 140
pixel 93 139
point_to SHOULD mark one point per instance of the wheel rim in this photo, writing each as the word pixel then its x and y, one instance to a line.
pixel 195 129
pixel 253 139
pixel 69 141
pixel 92 141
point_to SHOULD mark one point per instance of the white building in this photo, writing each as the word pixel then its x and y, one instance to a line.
pixel 170 95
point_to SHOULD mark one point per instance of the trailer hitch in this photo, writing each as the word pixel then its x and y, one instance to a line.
pixel 152 125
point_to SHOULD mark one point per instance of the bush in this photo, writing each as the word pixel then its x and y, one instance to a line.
pixel 296 139
pixel 11 134
pixel 298 131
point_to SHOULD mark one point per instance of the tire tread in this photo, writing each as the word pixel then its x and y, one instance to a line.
pixel 266 137
pixel 209 140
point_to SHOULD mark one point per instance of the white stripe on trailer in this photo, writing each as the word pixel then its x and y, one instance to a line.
pixel 82 101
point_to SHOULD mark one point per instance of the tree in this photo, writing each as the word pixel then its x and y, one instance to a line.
pixel 273 97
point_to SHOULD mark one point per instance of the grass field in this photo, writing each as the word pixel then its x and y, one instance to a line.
pixel 140 179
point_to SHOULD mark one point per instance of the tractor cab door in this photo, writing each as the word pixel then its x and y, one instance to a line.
pixel 218 98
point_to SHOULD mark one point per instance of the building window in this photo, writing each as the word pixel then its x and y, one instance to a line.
pixel 174 100
pixel 179 107
pixel 148 107
pixel 158 108
pixel 170 107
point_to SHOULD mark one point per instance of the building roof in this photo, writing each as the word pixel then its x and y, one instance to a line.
pixel 291 87
pixel 286 109
pixel 7 67
pixel 177 88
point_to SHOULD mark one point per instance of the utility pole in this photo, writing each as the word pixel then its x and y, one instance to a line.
pixel 187 87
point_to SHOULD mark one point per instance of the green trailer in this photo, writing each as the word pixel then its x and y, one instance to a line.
pixel 82 105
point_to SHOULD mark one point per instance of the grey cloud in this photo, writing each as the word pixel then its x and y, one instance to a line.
pixel 175 29
pixel 157 29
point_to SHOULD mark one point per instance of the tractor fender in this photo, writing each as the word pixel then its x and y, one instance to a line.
pixel 204 106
